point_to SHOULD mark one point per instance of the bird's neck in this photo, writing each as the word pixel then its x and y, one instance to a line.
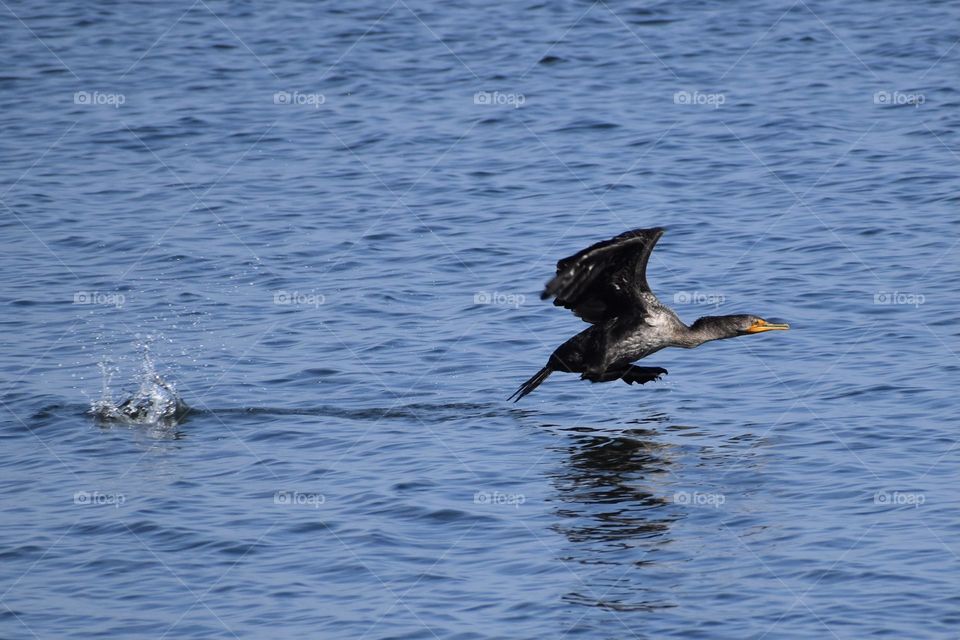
pixel 704 330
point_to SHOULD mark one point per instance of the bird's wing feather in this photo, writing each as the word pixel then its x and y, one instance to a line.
pixel 606 279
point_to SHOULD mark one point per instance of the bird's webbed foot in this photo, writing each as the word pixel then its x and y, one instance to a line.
pixel 642 374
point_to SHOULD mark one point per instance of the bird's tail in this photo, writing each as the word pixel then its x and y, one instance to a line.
pixel 531 384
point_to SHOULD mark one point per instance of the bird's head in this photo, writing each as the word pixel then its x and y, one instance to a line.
pixel 752 324
pixel 718 327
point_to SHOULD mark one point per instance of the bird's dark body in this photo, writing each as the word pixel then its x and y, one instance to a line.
pixel 597 350
pixel 606 286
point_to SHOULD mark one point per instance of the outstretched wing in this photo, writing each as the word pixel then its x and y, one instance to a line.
pixel 606 279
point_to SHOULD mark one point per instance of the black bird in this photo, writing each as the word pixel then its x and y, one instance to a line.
pixel 606 285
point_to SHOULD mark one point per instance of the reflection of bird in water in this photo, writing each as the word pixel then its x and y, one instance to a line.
pixel 606 285
pixel 610 509
pixel 606 481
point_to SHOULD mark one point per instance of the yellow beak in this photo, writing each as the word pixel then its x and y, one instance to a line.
pixel 762 325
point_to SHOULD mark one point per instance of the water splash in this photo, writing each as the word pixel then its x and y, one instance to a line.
pixel 156 401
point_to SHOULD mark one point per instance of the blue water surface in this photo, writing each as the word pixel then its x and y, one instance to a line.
pixel 327 224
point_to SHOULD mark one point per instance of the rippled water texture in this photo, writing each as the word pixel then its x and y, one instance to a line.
pixel 322 228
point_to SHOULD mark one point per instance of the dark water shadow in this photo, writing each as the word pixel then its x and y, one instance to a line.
pixel 427 412
pixel 614 517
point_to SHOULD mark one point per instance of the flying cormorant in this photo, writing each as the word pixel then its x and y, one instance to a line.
pixel 606 285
